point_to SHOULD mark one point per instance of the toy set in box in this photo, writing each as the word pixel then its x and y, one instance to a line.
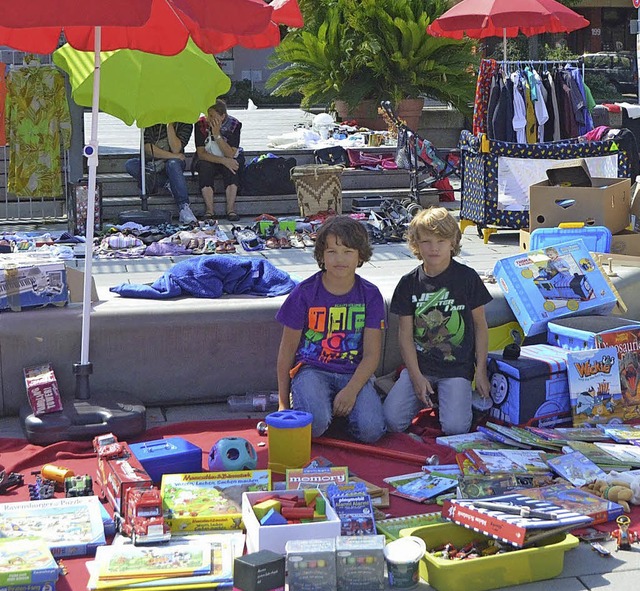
pixel 579 332
pixel 311 564
pixel 173 455
pixel 29 284
pixel 42 389
pixel 360 563
pixel 274 537
pixel 543 561
pixel 561 280
pixel 209 500
pixel 606 203
pixel 532 387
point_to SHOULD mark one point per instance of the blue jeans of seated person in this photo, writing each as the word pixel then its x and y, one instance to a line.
pixel 313 391
pixel 454 404
pixel 173 172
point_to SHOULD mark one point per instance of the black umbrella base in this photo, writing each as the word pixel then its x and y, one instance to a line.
pixel 153 217
pixel 113 412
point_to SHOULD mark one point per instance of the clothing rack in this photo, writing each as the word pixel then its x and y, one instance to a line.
pixel 542 62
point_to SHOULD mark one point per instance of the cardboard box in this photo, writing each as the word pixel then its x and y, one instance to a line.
pixel 558 281
pixel 570 175
pixel 543 561
pixel 311 564
pixel 31 283
pixel 360 563
pixel 42 389
pixel 260 571
pixel 607 203
pixel 275 537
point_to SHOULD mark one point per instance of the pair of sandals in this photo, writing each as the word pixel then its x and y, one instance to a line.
pixel 225 247
pixel 232 216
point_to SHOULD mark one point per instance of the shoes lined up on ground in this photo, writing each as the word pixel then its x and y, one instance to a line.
pixel 282 239
pixel 186 215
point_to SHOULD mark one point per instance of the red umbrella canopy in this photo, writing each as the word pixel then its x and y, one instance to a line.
pixel 155 26
pixel 493 18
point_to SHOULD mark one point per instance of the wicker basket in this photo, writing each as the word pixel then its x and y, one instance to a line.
pixel 318 187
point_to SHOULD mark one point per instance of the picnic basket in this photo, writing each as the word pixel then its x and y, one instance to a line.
pixel 318 187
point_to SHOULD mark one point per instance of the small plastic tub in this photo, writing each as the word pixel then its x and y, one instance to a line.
pixel 403 561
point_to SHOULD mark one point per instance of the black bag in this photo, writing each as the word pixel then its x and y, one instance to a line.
pixel 151 170
pixel 331 155
pixel 269 176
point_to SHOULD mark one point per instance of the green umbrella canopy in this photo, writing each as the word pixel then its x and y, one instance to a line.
pixel 143 87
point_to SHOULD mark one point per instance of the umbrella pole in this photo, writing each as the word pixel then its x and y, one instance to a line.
pixel 143 178
pixel 504 44
pixel 83 369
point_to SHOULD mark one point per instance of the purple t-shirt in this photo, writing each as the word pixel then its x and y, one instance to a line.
pixel 332 325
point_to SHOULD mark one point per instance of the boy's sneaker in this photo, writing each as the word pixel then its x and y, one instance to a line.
pixel 186 215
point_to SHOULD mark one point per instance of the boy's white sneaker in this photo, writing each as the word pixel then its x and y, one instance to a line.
pixel 186 215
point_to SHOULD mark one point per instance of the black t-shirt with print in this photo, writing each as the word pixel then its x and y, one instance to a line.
pixel 441 308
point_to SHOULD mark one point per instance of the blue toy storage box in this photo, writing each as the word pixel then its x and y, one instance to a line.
pixel 532 389
pixel 579 332
pixel 173 455
pixel 560 280
pixel 595 238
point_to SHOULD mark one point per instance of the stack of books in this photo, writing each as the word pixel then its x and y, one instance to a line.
pixel 194 561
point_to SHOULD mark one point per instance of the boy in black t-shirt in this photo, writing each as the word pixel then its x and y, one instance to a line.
pixel 443 332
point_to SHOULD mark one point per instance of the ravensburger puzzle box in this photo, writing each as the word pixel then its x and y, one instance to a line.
pixel 557 281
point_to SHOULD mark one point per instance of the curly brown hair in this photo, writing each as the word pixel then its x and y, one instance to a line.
pixel 349 232
pixel 438 221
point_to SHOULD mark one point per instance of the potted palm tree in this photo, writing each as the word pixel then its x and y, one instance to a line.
pixel 351 54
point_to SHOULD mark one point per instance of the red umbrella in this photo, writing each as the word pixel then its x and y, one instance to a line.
pixel 35 25
pixel 505 18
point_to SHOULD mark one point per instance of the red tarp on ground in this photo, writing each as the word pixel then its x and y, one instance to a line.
pixel 18 456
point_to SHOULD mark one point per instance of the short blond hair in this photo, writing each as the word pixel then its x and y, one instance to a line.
pixel 434 220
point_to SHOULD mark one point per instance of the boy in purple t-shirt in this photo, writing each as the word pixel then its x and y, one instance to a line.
pixel 332 336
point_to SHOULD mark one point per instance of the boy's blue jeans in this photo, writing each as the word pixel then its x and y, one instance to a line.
pixel 454 404
pixel 313 391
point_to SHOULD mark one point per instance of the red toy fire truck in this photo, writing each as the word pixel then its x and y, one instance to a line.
pixel 136 503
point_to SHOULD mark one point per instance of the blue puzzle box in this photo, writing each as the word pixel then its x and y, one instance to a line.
pixel 553 282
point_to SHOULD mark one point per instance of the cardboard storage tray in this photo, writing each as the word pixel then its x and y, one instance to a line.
pixel 173 455
pixel 595 238
pixel 275 537
pixel 579 332
pixel 543 561
pixel 607 203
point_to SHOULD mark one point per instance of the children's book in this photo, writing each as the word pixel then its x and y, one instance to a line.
pixel 209 500
pixel 26 561
pixel 70 527
pixel 130 562
pixel 356 514
pixel 594 386
pixel 473 440
pixel 622 452
pixel 316 477
pixel 392 526
pixel 426 487
pixel 597 455
pixel 627 344
pixel 501 439
pixel 621 433
pixel 465 464
pixel 564 434
pixel 523 436
pixel 514 518
pixel 576 499
pixel 490 461
pixel 577 468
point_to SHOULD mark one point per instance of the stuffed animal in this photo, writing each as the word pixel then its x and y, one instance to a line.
pixel 617 491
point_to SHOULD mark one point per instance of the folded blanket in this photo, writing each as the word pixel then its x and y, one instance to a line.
pixel 211 276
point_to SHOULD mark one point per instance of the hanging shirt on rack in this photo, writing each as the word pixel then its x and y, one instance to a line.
pixel 552 127
pixel 532 126
pixel 542 115
pixel 503 114
pixel 519 109
pixel 38 125
pixel 483 86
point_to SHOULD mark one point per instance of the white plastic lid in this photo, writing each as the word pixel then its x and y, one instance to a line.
pixel 405 550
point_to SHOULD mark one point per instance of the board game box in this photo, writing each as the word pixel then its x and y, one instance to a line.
pixel 26 561
pixel 553 282
pixel 70 527
pixel 209 500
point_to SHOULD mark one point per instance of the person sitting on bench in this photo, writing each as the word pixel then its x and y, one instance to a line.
pixel 218 152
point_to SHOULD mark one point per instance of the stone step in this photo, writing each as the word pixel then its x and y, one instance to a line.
pixel 246 205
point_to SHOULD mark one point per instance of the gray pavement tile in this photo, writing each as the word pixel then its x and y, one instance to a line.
pixel 622 581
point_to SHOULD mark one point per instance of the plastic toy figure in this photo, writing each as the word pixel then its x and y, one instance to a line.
pixel 623 536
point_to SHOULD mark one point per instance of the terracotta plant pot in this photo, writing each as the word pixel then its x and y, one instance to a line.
pixel 366 113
